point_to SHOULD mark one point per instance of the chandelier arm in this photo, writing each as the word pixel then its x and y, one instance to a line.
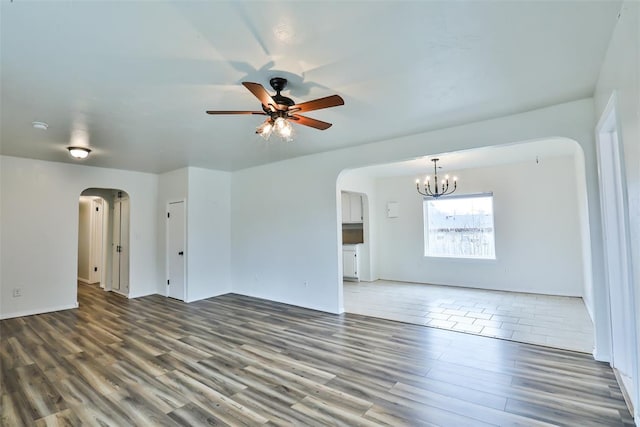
pixel 450 191
pixel 428 190
pixel 425 193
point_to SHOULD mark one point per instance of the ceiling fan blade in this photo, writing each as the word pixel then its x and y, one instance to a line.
pixel 317 104
pixel 307 121
pixel 259 92
pixel 262 113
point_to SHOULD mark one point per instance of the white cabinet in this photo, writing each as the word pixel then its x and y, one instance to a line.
pixel 350 263
pixel 351 207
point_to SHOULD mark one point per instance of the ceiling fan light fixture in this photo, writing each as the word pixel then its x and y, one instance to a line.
pixel 265 129
pixel 284 128
pixel 79 153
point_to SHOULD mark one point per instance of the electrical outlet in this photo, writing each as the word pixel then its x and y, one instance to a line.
pixel 17 292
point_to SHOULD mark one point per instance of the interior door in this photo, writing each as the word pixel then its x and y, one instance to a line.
pixel 176 250
pixel 120 264
pixel 97 227
pixel 124 246
pixel 115 264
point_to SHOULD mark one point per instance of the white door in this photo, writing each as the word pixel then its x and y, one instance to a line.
pixel 176 251
pixel 97 227
pixel 115 264
pixel 120 264
pixel 124 246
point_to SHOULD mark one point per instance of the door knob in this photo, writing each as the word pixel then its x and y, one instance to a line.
pixel 181 253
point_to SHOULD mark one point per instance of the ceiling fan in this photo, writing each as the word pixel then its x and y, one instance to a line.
pixel 281 111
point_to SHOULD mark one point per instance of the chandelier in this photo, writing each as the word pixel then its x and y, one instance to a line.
pixel 438 190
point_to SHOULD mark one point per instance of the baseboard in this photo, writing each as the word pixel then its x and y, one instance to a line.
pixel 625 392
pixel 284 301
pixel 140 295
pixel 120 293
pixel 599 356
pixel 200 298
pixel 83 280
pixel 37 311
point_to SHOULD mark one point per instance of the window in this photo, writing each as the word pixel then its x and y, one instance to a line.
pixel 459 227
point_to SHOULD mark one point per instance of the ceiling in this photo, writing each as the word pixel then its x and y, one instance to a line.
pixel 450 163
pixel 132 79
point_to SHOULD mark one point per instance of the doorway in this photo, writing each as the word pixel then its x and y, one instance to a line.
pixel 91 230
pixel 103 239
pixel 411 284
pixel 617 254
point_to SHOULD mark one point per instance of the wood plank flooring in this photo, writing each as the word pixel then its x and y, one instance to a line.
pixel 234 360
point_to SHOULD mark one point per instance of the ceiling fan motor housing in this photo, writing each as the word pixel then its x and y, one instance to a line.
pixel 278 84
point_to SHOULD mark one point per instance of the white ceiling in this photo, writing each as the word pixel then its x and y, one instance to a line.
pixel 450 163
pixel 132 79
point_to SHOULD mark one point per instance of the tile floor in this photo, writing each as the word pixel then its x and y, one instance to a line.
pixel 555 321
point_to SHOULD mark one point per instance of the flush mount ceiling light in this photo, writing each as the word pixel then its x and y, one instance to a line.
pixel 427 192
pixel 282 111
pixel 79 152
pixel 40 125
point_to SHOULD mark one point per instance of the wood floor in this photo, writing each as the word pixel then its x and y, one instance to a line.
pixel 235 360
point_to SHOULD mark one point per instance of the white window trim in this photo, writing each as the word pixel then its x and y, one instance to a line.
pixel 457 257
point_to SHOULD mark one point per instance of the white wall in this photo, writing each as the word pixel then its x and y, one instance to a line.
pixel 208 204
pixel 536 232
pixel 585 237
pixel 39 241
pixel 621 72
pixel 172 187
pixel 84 239
pixel 288 232
pixel 208 233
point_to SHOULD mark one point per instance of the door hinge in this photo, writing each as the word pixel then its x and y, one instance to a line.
pixel 167 281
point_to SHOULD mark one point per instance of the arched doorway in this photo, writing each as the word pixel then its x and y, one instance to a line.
pixel 542 254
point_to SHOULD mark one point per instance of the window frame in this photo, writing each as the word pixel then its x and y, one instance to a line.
pixel 426 229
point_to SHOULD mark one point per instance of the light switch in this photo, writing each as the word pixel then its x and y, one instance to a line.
pixel 392 210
